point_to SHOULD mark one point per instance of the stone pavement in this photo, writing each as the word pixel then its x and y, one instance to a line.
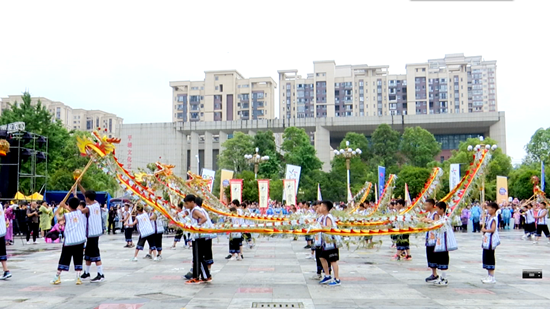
pixel 276 270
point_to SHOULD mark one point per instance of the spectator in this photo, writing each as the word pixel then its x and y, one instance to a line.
pixel 10 216
pixel 476 214
pixel 104 213
pixel 46 216
pixel 21 219
pixel 111 220
pixel 33 217
pixel 464 216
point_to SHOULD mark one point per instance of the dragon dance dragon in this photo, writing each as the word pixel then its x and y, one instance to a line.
pixel 163 190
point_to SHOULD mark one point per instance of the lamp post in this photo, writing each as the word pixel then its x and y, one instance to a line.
pixel 348 153
pixel 256 159
pixel 477 149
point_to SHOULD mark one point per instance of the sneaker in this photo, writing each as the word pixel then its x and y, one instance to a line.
pixel 524 237
pixel 396 257
pixel 127 246
pixel 148 256
pixel 193 281
pixel 251 246
pixel 334 282
pixel 98 278
pixel 85 276
pixel 233 258
pixel 325 280
pixel 135 259
pixel 239 258
pixel 56 280
pixel 35 243
pixel 209 279
pixel 310 256
pixel 242 257
pixel 28 242
pixel 307 247
pixel 78 281
pixel 535 242
pixel 156 259
pixel 317 277
pixel 432 279
pixel 6 275
pixel 173 248
pixel 489 280
pixel 159 257
pixel 441 282
pixel 408 258
pixel 228 257
pixel 188 276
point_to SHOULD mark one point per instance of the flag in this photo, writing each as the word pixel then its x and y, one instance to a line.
pixel 376 193
pixel 408 201
pixel 208 174
pixel 502 189
pixel 225 176
pixel 542 178
pixel 263 193
pixel 319 196
pixel 293 172
pixel 289 190
pixel 381 180
pixel 454 176
pixel 236 189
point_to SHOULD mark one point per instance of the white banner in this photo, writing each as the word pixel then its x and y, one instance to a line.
pixel 209 175
pixel 293 172
pixel 263 193
pixel 236 189
pixel 454 176
pixel 289 189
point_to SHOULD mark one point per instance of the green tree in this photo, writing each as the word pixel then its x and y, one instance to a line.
pixel 415 178
pixel 40 121
pixel 232 157
pixel 385 145
pixel 419 146
pixel 265 142
pixel 538 148
pixel 299 151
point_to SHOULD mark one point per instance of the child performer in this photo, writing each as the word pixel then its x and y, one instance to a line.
pixel 542 225
pixel 75 237
pixel 146 232
pixel 158 224
pixel 402 241
pixel 94 230
pixel 200 245
pixel 429 207
pixel 235 239
pixel 181 214
pixel 3 254
pixel 442 257
pixel 128 229
pixel 330 252
pixel 490 241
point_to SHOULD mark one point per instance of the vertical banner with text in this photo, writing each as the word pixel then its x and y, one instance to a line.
pixel 263 193
pixel 236 189
pixel 209 175
pixel 289 188
pixel 225 176
pixel 293 172
pixel 454 176
pixel 502 189
pixel 129 158
pixel 381 180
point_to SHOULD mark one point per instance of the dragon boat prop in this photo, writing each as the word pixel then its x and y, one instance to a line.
pixel 150 190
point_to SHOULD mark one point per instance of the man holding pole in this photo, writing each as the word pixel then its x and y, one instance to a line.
pixel 94 230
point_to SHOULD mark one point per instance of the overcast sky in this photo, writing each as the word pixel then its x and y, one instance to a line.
pixel 119 56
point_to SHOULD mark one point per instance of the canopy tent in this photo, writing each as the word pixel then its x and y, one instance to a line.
pixel 58 196
pixel 34 197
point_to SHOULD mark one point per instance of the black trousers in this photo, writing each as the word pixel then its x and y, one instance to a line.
pixel 110 226
pixel 200 267
pixel 33 227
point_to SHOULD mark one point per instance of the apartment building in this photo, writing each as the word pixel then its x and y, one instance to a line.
pixel 72 119
pixel 223 96
pixel 453 84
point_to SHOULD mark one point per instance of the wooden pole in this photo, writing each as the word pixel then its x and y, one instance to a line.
pixel 77 180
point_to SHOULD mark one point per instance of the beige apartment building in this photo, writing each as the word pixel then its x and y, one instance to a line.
pixel 72 119
pixel 454 84
pixel 223 96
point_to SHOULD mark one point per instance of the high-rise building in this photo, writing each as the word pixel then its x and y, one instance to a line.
pixel 72 119
pixel 223 96
pixel 454 84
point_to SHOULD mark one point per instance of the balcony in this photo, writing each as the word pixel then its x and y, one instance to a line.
pixel 217 106
pixel 244 106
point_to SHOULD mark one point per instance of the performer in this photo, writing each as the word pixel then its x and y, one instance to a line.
pixel 235 239
pixel 75 237
pixel 429 207
pixel 179 232
pixel 542 225
pixel 208 255
pixel 94 230
pixel 200 245
pixel 3 254
pixel 530 229
pixel 146 232
pixel 128 229
pixel 158 224
pixel 490 241
pixel 442 257
pixel 402 241
pixel 329 251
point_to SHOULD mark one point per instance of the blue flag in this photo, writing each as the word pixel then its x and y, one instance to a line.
pixel 381 180
pixel 542 182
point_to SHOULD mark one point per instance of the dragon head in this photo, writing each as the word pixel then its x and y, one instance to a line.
pixel 101 145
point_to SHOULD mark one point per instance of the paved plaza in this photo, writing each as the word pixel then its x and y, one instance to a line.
pixel 277 271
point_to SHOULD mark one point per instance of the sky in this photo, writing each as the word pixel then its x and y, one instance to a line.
pixel 119 56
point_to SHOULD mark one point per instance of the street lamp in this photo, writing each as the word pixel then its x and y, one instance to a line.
pixel 348 153
pixel 256 159
pixel 477 149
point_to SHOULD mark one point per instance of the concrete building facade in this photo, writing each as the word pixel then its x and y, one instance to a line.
pixel 223 96
pixel 72 119
pixel 454 84
pixel 180 143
